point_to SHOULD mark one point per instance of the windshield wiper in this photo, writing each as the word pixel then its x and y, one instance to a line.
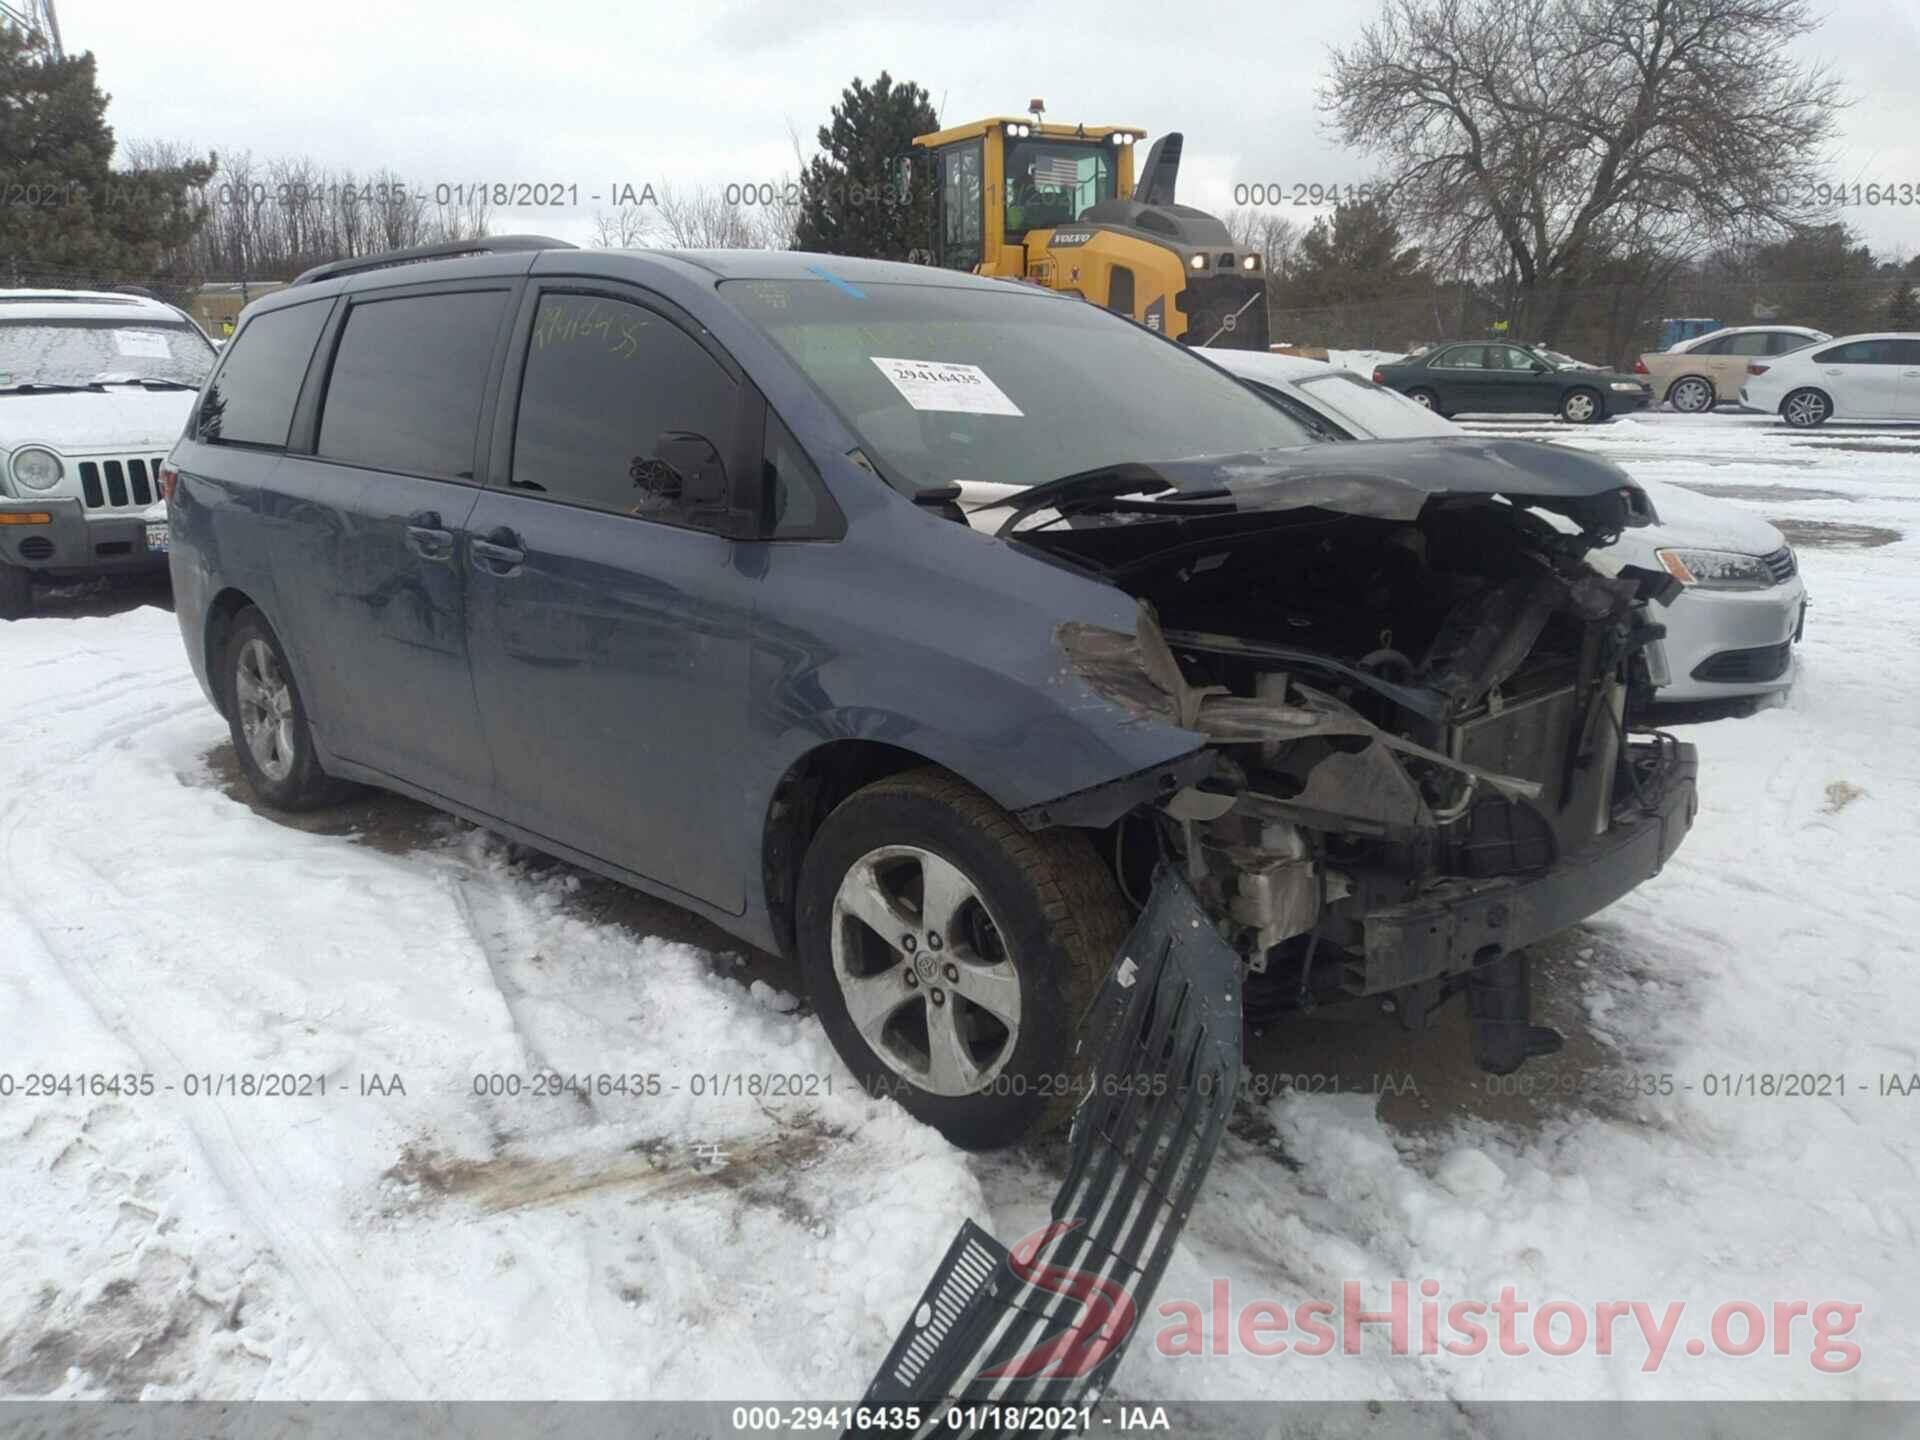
pixel 1106 481
pixel 52 386
pixel 152 382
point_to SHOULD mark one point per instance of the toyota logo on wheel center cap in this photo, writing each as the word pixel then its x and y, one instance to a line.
pixel 926 965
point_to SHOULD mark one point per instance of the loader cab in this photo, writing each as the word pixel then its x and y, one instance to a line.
pixel 998 181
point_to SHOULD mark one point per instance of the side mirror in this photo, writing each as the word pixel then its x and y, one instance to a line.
pixel 1540 367
pixel 696 464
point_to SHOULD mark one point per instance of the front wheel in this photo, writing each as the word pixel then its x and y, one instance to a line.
pixel 16 592
pixel 268 721
pixel 1804 409
pixel 1582 407
pixel 949 953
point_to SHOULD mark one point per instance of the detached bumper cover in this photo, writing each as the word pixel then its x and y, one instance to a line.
pixel 1046 1323
pixel 1468 922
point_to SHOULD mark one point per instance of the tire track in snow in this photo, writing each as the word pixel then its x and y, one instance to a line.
pixel 33 864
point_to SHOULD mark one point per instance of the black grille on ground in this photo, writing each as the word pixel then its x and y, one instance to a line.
pixel 36 547
pixel 1780 564
pixel 129 484
pixel 1746 667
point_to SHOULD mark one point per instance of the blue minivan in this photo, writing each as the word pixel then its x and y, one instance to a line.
pixel 866 610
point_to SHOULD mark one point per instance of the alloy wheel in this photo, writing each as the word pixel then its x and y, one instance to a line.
pixel 1807 407
pixel 266 709
pixel 1579 408
pixel 923 970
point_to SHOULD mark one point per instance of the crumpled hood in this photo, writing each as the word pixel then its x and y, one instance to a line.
pixel 1395 479
pixel 91 422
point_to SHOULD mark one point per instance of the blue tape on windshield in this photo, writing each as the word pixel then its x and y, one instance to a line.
pixel 835 281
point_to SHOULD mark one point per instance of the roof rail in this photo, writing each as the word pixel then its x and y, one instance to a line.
pixel 446 249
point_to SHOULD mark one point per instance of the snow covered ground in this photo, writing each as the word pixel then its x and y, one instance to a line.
pixel 646 1239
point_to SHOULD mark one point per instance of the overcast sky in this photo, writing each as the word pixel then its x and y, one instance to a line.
pixel 595 94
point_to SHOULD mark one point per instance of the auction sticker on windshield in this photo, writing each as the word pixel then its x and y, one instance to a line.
pixel 936 385
pixel 147 344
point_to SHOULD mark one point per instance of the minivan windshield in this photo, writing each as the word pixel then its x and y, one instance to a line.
pixel 946 384
pixel 86 352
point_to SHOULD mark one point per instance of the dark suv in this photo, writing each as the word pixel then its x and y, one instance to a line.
pixel 868 611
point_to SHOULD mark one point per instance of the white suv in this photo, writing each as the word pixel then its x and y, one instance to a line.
pixel 95 387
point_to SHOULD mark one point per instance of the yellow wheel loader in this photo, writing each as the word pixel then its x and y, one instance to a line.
pixel 1058 205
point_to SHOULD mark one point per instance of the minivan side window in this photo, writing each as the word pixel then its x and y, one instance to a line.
pixel 407 383
pixel 251 399
pixel 604 380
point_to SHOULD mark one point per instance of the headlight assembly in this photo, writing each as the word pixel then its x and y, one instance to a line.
pixel 1717 569
pixel 37 468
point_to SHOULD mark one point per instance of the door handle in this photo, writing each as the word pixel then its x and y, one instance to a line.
pixel 499 553
pixel 426 538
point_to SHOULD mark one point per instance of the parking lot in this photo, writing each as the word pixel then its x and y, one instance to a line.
pixel 329 1172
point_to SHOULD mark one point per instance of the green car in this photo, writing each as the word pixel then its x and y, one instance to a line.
pixel 1479 377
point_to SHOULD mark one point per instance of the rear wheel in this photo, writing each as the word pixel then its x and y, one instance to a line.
pixel 1691 394
pixel 268 721
pixel 1425 399
pixel 1582 407
pixel 949 953
pixel 1804 409
pixel 16 592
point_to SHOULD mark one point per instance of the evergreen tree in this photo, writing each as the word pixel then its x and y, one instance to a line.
pixel 850 197
pixel 69 212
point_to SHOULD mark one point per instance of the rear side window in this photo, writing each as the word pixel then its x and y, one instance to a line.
pixel 1859 352
pixel 1759 342
pixel 407 382
pixel 251 399
pixel 604 380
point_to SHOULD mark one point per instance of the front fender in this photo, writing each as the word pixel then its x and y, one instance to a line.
pixel 929 636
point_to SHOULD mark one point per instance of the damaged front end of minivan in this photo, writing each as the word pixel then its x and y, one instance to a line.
pixel 1413 693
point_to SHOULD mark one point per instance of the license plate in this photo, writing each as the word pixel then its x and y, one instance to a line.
pixel 157 538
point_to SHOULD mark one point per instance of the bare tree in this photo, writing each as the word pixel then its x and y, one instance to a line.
pixel 702 219
pixel 627 228
pixel 1555 135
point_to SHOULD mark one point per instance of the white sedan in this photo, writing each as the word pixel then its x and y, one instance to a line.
pixel 1857 377
pixel 1730 635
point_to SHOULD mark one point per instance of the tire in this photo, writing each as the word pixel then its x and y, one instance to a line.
pixel 16 592
pixel 1037 925
pixel 1425 399
pixel 1583 407
pixel 1803 409
pixel 268 721
pixel 1692 395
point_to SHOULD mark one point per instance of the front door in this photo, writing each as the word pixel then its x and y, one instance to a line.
pixel 609 634
pixel 1515 383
